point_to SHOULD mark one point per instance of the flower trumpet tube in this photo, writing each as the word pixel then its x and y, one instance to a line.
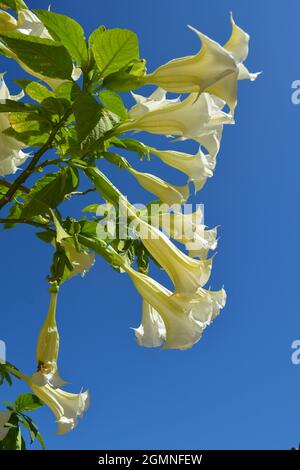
pixel 67 407
pixel 197 167
pixel 214 69
pixel 48 347
pixel 11 154
pixel 187 274
pixel 198 118
pixel 177 320
pixel 166 192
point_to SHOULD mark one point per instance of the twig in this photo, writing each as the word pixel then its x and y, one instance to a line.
pixel 79 193
pixel 24 221
pixel 9 185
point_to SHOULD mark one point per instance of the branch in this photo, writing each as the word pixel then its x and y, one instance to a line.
pixel 24 221
pixel 31 167
pixel 79 193
pixel 9 185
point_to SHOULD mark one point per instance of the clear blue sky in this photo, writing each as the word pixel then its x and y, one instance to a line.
pixel 237 388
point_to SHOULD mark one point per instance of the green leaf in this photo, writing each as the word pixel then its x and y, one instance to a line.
pixel 127 79
pixel 13 4
pixel 34 433
pixel 87 113
pixel 5 375
pixel 27 402
pixel 35 90
pixel 33 138
pixel 114 103
pixel 24 122
pixel 9 106
pixel 67 31
pixel 42 56
pixel 114 49
pixel 49 192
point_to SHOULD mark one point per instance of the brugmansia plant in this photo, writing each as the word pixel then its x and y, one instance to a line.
pixel 54 135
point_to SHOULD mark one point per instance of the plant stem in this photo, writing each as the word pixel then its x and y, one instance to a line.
pixel 9 185
pixel 23 221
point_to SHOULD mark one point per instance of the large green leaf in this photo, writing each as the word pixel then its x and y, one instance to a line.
pixel 114 49
pixel 8 106
pixel 27 402
pixel 43 56
pixel 114 103
pixel 67 31
pixel 49 192
pixel 87 113
pixel 35 90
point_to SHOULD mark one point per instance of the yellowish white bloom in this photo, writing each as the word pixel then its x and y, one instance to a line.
pixel 80 260
pixel 197 117
pixel 187 274
pixel 67 407
pixel 176 320
pixel 214 69
pixel 47 349
pixel 11 154
pixel 197 167
pixel 4 418
pixel 166 192
pixel 189 230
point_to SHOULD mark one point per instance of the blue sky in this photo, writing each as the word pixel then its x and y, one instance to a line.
pixel 237 388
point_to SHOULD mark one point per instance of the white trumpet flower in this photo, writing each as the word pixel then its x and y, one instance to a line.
pixel 198 118
pixel 67 407
pixel 4 418
pixel 11 154
pixel 184 316
pixel 197 167
pixel 47 349
pixel 187 274
pixel 80 260
pixel 214 69
pixel 166 192
pixel 189 230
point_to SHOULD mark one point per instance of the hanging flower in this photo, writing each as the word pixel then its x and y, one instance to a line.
pixel 166 192
pixel 214 69
pixel 80 260
pixel 197 167
pixel 198 118
pixel 184 316
pixel 67 407
pixel 188 275
pixel 11 154
pixel 48 348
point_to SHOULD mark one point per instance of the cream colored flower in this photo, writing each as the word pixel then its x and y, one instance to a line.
pixel 67 407
pixel 166 192
pixel 198 118
pixel 214 69
pixel 80 260
pixel 189 230
pixel 176 320
pixel 197 167
pixel 188 275
pixel 47 349
pixel 11 154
